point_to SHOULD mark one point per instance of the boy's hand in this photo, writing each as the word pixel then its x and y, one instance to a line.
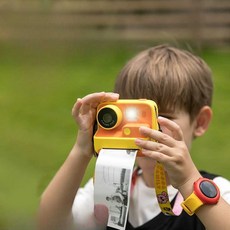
pixel 84 113
pixel 101 214
pixel 171 151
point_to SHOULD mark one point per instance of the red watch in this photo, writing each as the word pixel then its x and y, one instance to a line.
pixel 205 192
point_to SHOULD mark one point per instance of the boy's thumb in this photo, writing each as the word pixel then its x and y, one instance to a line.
pixel 101 214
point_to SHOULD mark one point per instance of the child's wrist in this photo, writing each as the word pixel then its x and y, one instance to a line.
pixel 82 150
pixel 186 189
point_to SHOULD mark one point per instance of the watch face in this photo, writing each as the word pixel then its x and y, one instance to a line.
pixel 208 189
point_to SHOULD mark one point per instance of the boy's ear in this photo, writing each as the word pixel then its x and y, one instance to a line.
pixel 202 121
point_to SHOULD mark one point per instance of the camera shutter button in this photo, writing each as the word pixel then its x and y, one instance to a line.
pixel 127 131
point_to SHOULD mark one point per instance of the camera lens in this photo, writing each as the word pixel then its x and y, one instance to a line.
pixel 109 116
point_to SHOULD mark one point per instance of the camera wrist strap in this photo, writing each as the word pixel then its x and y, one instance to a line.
pixel 161 190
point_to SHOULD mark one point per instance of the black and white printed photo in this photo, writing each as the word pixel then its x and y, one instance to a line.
pixel 112 184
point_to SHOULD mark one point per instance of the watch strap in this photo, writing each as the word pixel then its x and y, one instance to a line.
pixel 191 204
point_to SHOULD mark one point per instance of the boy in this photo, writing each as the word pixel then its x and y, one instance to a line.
pixel 181 85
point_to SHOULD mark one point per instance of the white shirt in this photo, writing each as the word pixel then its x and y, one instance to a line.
pixel 143 202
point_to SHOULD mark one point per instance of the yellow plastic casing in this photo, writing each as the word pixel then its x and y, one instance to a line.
pixel 124 133
pixel 191 204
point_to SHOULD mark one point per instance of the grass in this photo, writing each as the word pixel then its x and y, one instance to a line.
pixel 38 86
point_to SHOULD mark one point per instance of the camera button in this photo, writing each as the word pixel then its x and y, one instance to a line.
pixel 127 131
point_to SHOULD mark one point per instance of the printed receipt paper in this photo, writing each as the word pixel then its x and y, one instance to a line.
pixel 112 183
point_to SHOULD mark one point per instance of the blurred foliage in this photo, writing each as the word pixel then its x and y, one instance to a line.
pixel 38 86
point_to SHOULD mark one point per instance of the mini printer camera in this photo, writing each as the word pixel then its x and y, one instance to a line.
pixel 118 123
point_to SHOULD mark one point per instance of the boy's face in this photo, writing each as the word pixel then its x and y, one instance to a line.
pixel 183 120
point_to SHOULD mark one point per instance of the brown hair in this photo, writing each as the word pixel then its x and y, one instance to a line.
pixel 173 78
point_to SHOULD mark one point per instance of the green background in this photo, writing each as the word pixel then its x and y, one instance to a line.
pixel 38 87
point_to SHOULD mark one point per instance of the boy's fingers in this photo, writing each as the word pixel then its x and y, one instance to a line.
pixel 95 98
pixel 157 136
pixel 92 100
pixel 173 127
pixel 101 214
pixel 76 107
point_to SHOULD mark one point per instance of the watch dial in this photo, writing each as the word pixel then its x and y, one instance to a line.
pixel 208 189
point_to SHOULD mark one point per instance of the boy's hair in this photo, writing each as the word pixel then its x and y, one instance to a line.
pixel 173 78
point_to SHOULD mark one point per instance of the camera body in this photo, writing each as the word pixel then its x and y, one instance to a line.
pixel 118 123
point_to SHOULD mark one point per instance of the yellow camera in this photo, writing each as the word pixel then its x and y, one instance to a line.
pixel 118 123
